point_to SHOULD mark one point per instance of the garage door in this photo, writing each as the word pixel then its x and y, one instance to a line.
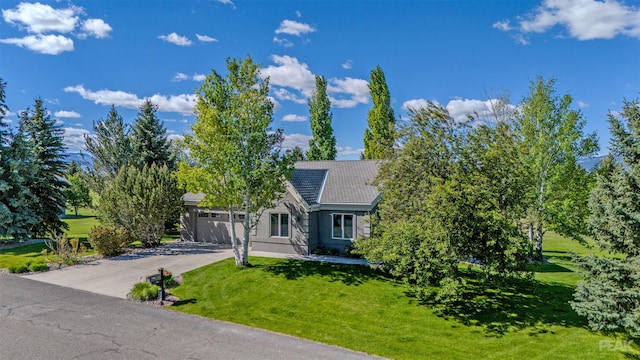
pixel 214 228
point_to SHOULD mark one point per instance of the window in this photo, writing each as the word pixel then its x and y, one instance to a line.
pixel 203 215
pixel 343 226
pixel 279 224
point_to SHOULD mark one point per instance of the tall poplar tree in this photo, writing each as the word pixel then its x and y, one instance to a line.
pixel 239 165
pixel 45 137
pixel 380 136
pixel 322 145
pixel 149 143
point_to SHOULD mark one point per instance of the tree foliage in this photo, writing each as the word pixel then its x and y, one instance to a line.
pixel 380 136
pixel 141 200
pixel 109 148
pixel 17 203
pixel 44 137
pixel 77 193
pixel 149 142
pixel 322 145
pixel 609 297
pixel 447 200
pixel 553 139
pixel 238 161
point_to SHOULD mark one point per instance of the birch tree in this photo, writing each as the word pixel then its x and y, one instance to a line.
pixel 553 139
pixel 236 157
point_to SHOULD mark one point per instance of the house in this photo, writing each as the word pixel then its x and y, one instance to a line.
pixel 327 203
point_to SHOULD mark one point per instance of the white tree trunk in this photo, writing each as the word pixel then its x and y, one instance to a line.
pixel 234 241
pixel 247 231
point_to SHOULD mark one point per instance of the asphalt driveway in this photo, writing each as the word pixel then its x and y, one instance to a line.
pixel 116 276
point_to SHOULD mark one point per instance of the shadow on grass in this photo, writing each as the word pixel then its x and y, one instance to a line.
pixel 549 268
pixel 516 305
pixel 71 216
pixel 347 274
pixel 185 302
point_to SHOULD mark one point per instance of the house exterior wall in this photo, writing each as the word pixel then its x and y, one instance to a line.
pixel 325 229
pixel 188 224
pixel 297 241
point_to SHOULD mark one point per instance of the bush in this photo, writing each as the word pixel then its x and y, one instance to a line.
pixel 18 268
pixel 38 266
pixel 109 242
pixel 144 291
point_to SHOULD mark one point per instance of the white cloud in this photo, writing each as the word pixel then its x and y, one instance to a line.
pixel 348 150
pixel 582 104
pixel 298 14
pixel 39 18
pixel 67 114
pixel 295 28
pixel 226 2
pixel 294 118
pixel 74 138
pixel 205 38
pixel 356 89
pixel 180 77
pixel 504 25
pixel 583 19
pixel 184 121
pixel 43 44
pixel 96 28
pixel 293 140
pixel 175 39
pixel 459 108
pixel 347 65
pixel 291 74
pixel 182 103
pixel 43 21
pixel 286 95
pixel 414 104
pixel 282 42
pixel 199 77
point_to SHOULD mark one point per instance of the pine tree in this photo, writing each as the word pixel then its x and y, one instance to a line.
pixel 45 139
pixel 109 148
pixel 149 139
pixel 609 297
pixel 380 136
pixel 16 200
pixel 322 145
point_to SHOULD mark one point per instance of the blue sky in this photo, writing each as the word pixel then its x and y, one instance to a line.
pixel 83 56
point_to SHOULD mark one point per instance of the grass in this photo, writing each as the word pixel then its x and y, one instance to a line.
pixel 79 227
pixel 362 309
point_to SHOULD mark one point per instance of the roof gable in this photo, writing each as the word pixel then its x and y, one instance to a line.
pixel 346 182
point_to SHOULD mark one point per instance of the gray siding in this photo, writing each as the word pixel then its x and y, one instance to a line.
pixel 299 221
pixel 325 231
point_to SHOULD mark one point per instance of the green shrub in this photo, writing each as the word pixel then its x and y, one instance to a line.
pixel 109 242
pixel 38 266
pixel 144 291
pixel 18 268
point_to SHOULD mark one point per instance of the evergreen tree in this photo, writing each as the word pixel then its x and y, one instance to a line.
pixel 73 168
pixel 322 145
pixel 45 140
pixel 380 136
pixel 609 296
pixel 149 142
pixel 17 203
pixel 109 148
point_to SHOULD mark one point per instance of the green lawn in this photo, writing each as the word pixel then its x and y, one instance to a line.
pixel 79 227
pixel 361 309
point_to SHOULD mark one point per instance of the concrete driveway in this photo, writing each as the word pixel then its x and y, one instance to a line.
pixel 116 276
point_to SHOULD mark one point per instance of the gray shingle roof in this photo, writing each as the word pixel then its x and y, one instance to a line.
pixel 308 183
pixel 347 182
